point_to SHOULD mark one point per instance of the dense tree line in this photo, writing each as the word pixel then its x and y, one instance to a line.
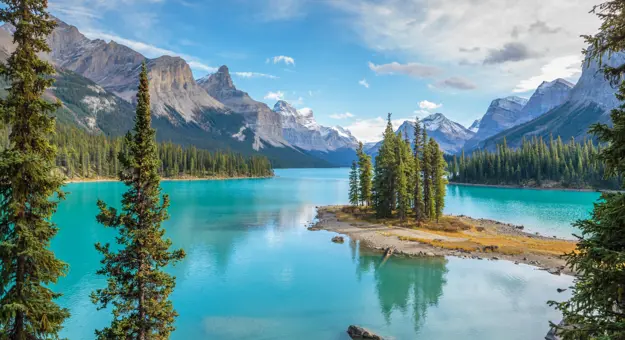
pixel 406 180
pixel 536 163
pixel 84 155
pixel 596 309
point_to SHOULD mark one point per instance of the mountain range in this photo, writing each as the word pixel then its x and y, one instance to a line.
pixel 96 82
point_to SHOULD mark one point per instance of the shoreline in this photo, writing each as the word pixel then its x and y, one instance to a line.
pixel 165 179
pixel 507 186
pixel 421 242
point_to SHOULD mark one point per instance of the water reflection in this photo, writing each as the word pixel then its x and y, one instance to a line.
pixel 404 283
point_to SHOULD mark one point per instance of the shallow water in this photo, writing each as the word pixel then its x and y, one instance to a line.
pixel 253 271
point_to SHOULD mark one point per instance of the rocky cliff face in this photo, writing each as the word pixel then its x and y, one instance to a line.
pixel 592 85
pixel 299 128
pixel 546 97
pixel 502 114
pixel 262 120
pixel 475 126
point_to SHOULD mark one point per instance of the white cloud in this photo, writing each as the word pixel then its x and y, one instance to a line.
pixel 364 83
pixel 371 130
pixel 254 75
pixel 282 59
pixel 459 36
pixel 342 115
pixel 410 69
pixel 278 95
pixel 564 67
pixel 428 105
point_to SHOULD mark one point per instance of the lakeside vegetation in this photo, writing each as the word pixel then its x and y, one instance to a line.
pixel 404 180
pixel 83 156
pixel 536 163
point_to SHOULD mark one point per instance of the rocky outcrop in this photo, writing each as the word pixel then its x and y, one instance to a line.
pixel 546 97
pixel 266 123
pixel 502 114
pixel 338 239
pixel 299 128
pixel 475 126
pixel 359 333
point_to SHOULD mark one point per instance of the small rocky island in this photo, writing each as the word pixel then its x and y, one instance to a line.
pixel 459 236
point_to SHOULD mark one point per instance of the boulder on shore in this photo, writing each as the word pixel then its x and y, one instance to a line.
pixel 359 333
pixel 338 239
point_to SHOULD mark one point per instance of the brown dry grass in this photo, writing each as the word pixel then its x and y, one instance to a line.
pixel 474 238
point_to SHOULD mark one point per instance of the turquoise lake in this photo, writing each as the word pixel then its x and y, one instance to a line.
pixel 253 270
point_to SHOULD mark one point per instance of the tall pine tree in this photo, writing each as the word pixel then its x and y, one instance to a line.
pixel 426 161
pixel 138 287
pixel 385 174
pixel 353 185
pixel 597 307
pixel 29 183
pixel 439 182
pixel 417 192
pixel 365 176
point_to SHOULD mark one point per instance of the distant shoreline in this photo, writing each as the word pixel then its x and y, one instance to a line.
pixel 166 179
pixel 504 186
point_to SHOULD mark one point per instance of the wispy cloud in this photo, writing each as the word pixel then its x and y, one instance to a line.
pixel 565 67
pixel 415 70
pixel 342 115
pixel 254 75
pixel 370 130
pixel 428 105
pixel 278 95
pixel 364 83
pixel 282 59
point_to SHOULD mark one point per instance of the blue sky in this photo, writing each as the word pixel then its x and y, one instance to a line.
pixel 352 61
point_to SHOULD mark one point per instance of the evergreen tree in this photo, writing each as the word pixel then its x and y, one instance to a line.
pixel 353 185
pixel 426 161
pixel 30 187
pixel 438 179
pixel 385 171
pixel 138 287
pixel 597 308
pixel 365 175
pixel 417 192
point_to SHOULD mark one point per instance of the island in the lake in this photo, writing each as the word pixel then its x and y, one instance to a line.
pixel 460 236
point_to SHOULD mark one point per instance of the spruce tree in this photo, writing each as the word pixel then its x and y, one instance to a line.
pixel 353 185
pixel 365 175
pixel 385 174
pixel 426 161
pixel 597 307
pixel 403 199
pixel 439 181
pixel 417 192
pixel 30 186
pixel 138 288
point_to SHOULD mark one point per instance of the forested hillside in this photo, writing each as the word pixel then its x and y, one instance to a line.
pixel 535 163
pixel 82 156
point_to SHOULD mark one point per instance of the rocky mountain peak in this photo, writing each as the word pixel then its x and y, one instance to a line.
pixel 475 126
pixel 284 108
pixel 549 95
pixel 220 79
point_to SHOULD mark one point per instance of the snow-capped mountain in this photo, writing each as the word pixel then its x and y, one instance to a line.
pixel 588 102
pixel 450 135
pixel 300 129
pixel 475 126
pixel 546 97
pixel 502 114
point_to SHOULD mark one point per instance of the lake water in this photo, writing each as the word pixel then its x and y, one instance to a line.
pixel 253 271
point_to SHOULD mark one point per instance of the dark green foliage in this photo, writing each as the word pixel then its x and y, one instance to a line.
pixel 385 174
pixel 138 287
pixel 29 187
pixel 353 185
pixel 365 176
pixel 82 156
pixel 597 308
pixel 400 174
pixel 571 165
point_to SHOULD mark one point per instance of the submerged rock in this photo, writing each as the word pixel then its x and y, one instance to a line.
pixel 338 239
pixel 359 333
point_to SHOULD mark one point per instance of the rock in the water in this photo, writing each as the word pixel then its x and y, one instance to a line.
pixel 338 239
pixel 357 332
